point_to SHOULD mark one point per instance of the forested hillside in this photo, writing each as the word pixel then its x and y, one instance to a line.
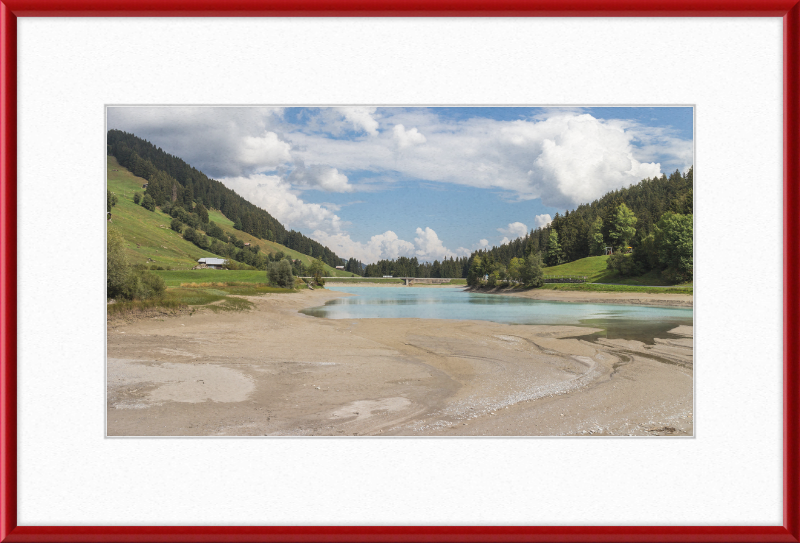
pixel 576 230
pixel 172 181
pixel 645 228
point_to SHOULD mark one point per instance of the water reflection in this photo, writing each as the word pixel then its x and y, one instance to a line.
pixel 616 321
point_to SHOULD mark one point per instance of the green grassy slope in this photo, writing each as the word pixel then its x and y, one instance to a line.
pixel 594 268
pixel 147 233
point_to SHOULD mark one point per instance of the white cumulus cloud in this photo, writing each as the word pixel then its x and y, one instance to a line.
pixel 406 138
pixel 264 152
pixel 429 246
pixel 542 220
pixel 362 118
pixel 514 229
pixel 380 246
pixel 320 178
pixel 275 195
pixel 581 158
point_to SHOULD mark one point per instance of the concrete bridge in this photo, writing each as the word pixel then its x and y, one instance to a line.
pixel 408 281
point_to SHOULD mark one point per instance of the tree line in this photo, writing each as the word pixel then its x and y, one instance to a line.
pixel 453 268
pixel 171 180
pixel 579 233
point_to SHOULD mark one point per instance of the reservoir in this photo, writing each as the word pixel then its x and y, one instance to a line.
pixel 641 323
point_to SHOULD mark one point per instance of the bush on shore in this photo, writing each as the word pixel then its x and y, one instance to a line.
pixel 125 282
pixel 280 274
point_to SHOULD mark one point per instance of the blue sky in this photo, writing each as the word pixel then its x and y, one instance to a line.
pixel 431 182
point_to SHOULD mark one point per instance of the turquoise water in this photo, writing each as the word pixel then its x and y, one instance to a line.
pixel 642 323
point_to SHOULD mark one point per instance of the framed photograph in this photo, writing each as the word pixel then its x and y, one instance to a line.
pixel 413 272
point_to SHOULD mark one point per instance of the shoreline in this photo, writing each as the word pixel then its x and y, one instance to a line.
pixel 275 371
pixel 664 299
pixel 384 285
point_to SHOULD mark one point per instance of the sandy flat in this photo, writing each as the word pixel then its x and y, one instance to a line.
pixel 665 298
pixel 274 371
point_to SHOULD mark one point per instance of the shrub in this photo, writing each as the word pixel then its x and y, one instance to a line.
pixel 111 200
pixel 623 264
pixel 193 220
pixel 280 274
pixel 531 271
pixel 317 268
pixel 148 203
pixel 646 255
pixel 475 272
pixel 202 241
pixel 137 198
pixel 176 225
pixel 179 213
pixel 143 285
pixel 117 269
pixel 214 231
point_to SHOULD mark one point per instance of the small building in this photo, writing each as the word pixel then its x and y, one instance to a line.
pixel 145 185
pixel 388 276
pixel 247 245
pixel 212 263
pixel 339 267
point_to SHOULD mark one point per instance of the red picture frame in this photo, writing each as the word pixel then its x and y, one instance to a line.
pixel 789 10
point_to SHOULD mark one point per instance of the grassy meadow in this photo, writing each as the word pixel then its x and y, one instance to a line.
pixel 595 271
pixel 592 287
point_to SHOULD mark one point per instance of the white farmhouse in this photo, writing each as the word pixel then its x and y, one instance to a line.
pixel 212 263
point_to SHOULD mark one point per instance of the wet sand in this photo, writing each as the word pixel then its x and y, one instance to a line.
pixel 273 371
pixel 665 299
